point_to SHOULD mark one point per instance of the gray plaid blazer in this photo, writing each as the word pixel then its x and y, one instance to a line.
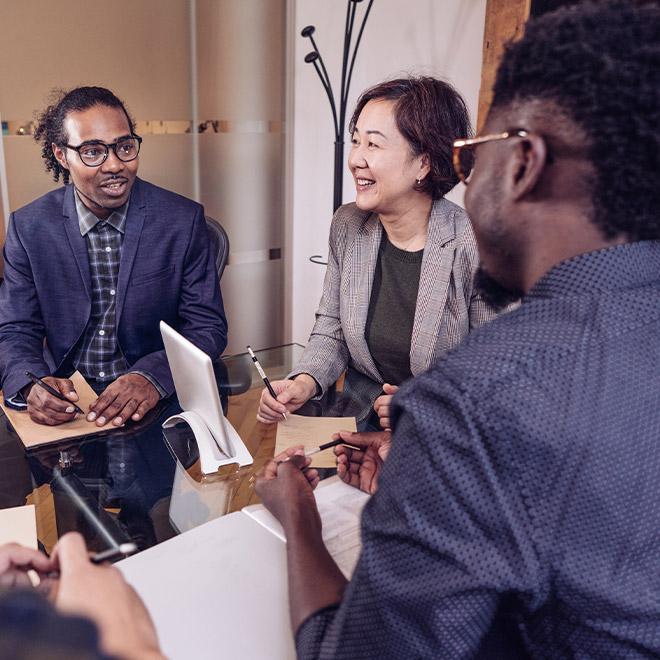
pixel 447 307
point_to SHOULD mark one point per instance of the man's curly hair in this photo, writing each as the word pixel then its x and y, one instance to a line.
pixel 50 123
pixel 600 63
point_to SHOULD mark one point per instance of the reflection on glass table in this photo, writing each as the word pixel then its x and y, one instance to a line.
pixel 118 486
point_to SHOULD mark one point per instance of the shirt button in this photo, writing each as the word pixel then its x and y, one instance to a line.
pixel 108 249
pixel 101 374
pixel 112 292
pixel 101 332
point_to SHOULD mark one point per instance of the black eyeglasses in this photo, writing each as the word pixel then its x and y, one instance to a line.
pixel 95 152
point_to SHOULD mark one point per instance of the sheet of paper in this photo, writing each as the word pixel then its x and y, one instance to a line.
pixel 219 590
pixel 340 507
pixel 312 432
pixel 33 435
pixel 19 525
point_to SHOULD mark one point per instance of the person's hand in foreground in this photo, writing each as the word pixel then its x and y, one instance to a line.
pixel 291 394
pixel 285 486
pixel 15 562
pixel 131 396
pixel 383 406
pixel 315 581
pixel 44 408
pixel 362 469
pixel 101 594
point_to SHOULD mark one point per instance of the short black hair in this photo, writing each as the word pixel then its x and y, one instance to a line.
pixel 599 62
pixel 50 123
pixel 430 114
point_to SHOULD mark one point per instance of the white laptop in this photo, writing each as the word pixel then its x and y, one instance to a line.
pixel 192 370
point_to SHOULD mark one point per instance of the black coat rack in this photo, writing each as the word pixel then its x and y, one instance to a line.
pixel 348 62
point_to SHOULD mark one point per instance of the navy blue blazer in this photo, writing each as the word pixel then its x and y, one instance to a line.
pixel 166 272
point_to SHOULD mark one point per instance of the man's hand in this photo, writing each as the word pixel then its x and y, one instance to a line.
pixel 44 408
pixel 383 404
pixel 101 594
pixel 361 469
pixel 269 471
pixel 315 581
pixel 131 396
pixel 291 394
pixel 16 561
pixel 287 493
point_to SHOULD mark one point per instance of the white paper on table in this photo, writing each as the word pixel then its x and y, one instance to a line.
pixel 19 525
pixel 340 507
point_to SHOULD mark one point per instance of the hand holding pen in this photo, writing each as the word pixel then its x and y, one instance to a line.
pixel 267 382
pixel 52 402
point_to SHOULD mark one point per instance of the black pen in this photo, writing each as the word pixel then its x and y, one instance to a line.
pixel 262 373
pixel 58 395
pixel 327 445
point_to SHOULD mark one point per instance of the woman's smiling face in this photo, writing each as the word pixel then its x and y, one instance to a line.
pixel 383 166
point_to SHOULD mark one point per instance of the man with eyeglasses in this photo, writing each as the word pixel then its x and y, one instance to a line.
pixel 91 269
pixel 516 513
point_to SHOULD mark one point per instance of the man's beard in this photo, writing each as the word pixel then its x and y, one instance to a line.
pixel 492 292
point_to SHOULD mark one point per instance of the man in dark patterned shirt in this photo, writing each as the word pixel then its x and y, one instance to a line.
pixel 93 267
pixel 517 513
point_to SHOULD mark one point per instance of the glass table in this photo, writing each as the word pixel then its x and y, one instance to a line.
pixel 136 485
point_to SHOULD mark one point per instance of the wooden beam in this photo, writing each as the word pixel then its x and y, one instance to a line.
pixel 505 20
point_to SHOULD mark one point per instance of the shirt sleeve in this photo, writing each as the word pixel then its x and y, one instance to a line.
pixel 446 538
pixel 153 381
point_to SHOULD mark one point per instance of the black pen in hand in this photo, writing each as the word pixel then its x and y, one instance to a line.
pixel 262 373
pixel 58 395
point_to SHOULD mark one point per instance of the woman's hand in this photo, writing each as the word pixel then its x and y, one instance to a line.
pixel 382 405
pixel 291 394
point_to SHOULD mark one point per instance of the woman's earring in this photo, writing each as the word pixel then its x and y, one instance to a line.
pixel 419 182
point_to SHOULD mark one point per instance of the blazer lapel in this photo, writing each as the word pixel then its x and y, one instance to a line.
pixel 437 265
pixel 363 267
pixel 134 223
pixel 76 239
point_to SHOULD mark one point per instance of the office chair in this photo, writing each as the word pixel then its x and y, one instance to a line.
pixel 220 249
pixel 219 244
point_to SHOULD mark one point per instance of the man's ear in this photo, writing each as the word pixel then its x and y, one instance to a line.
pixel 60 155
pixel 529 159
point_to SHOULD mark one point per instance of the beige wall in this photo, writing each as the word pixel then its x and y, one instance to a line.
pixel 138 48
pixel 63 44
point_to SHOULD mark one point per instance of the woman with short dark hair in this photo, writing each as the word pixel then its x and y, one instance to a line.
pixel 398 290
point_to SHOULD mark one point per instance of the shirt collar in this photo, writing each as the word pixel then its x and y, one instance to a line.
pixel 617 267
pixel 87 220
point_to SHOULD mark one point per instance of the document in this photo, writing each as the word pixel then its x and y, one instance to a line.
pixel 230 576
pixel 19 525
pixel 340 507
pixel 312 432
pixel 34 435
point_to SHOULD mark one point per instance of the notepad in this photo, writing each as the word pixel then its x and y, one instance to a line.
pixel 19 525
pixel 34 435
pixel 340 507
pixel 230 576
pixel 312 432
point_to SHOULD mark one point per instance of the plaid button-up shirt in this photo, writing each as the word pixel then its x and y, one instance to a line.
pixel 98 356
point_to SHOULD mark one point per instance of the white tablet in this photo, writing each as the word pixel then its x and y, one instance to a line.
pixel 196 389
